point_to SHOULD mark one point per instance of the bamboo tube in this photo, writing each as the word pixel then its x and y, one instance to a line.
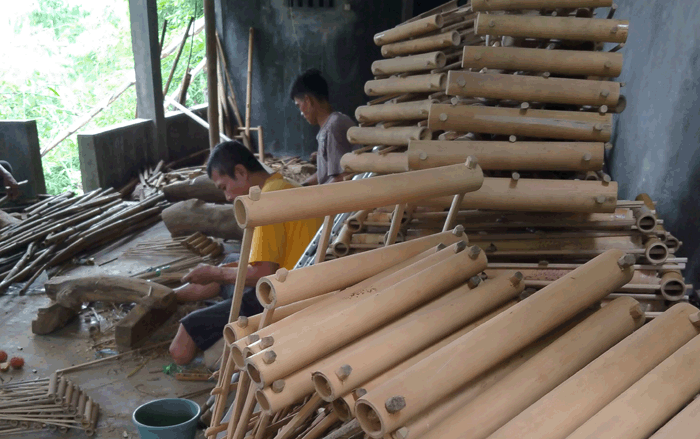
pixel 646 220
pixel 376 309
pixel 341 245
pixel 325 238
pixel 531 195
pixel 672 285
pixel 532 88
pixel 413 63
pixel 245 326
pixel 303 283
pixel 565 28
pixel 656 251
pixel 378 163
pixel 386 136
pixel 477 351
pixel 319 429
pixel 341 299
pixel 302 415
pixel 316 201
pixel 422 45
pixel 410 84
pixel 564 409
pixel 500 5
pixel 685 425
pixel 409 30
pixel 404 111
pixel 651 401
pixel 422 328
pixel 546 370
pixel 569 125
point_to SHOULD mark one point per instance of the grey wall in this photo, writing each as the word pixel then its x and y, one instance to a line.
pixel 656 139
pixel 19 146
pixel 289 40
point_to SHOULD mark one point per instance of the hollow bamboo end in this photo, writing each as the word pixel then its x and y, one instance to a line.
pixel 340 249
pixel 240 211
pixel 672 286
pixel 323 386
pixel 342 408
pixel 254 373
pixel 369 418
pixel 229 335
pixel 455 38
pixel 656 251
pixel 238 356
pixel 440 60
pixel 266 293
pixel 263 400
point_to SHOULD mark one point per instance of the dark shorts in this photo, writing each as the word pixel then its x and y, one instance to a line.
pixel 206 326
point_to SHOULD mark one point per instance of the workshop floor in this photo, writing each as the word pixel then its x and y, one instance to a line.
pixel 107 383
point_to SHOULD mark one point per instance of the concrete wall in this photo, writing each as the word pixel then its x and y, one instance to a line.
pixel 289 40
pixel 19 146
pixel 657 138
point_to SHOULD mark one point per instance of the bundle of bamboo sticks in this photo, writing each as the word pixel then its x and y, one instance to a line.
pixel 59 228
pixel 54 403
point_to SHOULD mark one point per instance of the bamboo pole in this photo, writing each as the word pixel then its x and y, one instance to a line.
pixel 568 125
pixel 685 425
pixel 396 224
pixel 421 45
pixel 413 63
pixel 564 409
pixel 409 30
pixel 404 111
pixel 410 84
pixel 249 84
pixel 376 309
pixel 325 238
pixel 565 28
pixel 399 136
pixel 212 89
pixel 477 351
pixel 177 57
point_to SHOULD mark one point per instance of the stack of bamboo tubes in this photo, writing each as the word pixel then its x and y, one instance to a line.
pixel 54 403
pixel 58 228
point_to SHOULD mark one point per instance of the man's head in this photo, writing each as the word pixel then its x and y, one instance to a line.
pixel 231 166
pixel 310 94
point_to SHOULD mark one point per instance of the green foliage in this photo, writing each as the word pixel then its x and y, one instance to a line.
pixel 74 54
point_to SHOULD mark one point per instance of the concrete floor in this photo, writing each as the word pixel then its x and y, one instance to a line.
pixel 106 383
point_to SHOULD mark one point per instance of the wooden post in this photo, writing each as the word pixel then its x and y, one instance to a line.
pixel 565 28
pixel 396 221
pixel 249 86
pixel 452 214
pixel 212 89
pixel 177 57
pixel 325 238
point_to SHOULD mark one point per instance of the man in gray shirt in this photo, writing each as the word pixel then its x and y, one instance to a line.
pixel 310 94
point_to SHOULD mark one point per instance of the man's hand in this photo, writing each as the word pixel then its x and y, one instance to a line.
pixel 204 274
pixel 11 185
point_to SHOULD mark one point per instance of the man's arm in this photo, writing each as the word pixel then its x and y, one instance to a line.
pixel 205 274
pixel 311 181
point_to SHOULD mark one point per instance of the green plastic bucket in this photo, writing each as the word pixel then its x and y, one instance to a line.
pixel 171 418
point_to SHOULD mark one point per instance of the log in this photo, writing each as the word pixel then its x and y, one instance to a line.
pixel 564 28
pixel 337 329
pixel 409 30
pixel 418 110
pixel 685 425
pixel 476 352
pixel 287 287
pixel 533 195
pixel 318 201
pixel 412 63
pixel 501 5
pixel 200 188
pixel 51 318
pixel 564 409
pixel 72 292
pixel 546 370
pixel 187 217
pixel 651 401
pixel 551 124
pixel 422 328
pixel 399 136
pixel 532 88
pixel 409 84
pixel 422 45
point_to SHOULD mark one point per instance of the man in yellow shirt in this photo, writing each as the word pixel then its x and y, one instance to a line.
pixel 234 170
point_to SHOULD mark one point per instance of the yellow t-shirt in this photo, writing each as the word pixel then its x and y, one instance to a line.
pixel 282 243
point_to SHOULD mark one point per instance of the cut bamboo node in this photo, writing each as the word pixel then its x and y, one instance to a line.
pixel 281 274
pixel 516 278
pixel 636 311
pixel 254 193
pixel 472 162
pixel 269 357
pixel 242 322
pixel 278 386
pixel 402 433
pixel 252 338
pixel 395 404
pixel 474 282
pixel 266 342
pixel 457 231
pixel 343 372
pixel 626 261
pixel 474 252
pixel 694 318
pixel 461 245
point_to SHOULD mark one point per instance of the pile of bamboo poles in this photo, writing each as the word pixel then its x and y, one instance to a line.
pixel 54 404
pixel 59 228
pixel 422 347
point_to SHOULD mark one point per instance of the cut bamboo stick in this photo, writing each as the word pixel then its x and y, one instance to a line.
pixel 404 111
pixel 387 136
pixel 409 30
pixel 413 63
pixel 565 28
pixel 421 45
pixel 409 84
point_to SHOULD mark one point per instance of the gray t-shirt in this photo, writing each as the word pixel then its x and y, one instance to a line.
pixel 332 144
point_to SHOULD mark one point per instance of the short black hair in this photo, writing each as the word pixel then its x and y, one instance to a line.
pixel 310 83
pixel 226 155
